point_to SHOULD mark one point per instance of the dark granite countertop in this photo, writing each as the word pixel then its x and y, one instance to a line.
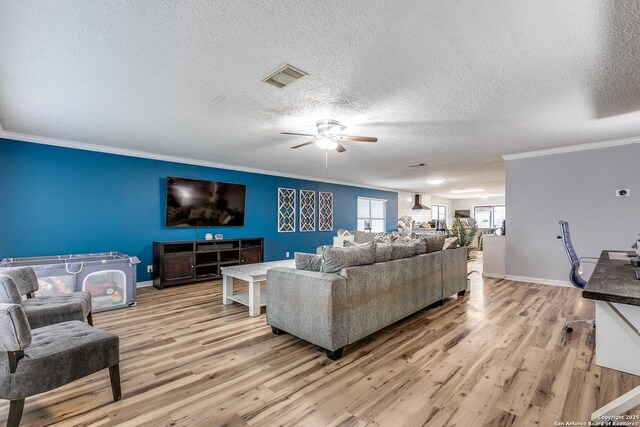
pixel 614 281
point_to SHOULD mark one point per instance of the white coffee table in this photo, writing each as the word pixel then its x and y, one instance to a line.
pixel 255 274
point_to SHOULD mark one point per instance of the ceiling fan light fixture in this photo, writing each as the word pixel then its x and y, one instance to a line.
pixel 326 143
pixel 329 136
pixel 435 181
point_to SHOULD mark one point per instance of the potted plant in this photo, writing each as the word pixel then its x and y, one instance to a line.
pixel 465 231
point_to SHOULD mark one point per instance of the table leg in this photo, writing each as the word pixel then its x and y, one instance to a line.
pixel 254 298
pixel 227 289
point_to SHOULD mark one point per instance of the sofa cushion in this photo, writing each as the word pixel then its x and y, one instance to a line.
pixel 383 250
pixel 421 245
pixel 402 250
pixel 435 242
pixel 335 259
pixel 308 262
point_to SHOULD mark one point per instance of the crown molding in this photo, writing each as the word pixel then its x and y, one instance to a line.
pixel 573 148
pixel 34 139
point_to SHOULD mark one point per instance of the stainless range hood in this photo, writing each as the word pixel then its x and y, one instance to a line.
pixel 419 205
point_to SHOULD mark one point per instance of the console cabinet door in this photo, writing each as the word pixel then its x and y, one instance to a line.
pixel 250 256
pixel 178 266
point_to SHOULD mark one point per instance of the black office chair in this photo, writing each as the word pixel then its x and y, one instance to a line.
pixel 575 273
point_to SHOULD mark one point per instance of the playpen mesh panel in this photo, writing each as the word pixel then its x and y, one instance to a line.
pixel 108 288
pixel 55 285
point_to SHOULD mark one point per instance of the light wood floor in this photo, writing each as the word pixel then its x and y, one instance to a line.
pixel 497 356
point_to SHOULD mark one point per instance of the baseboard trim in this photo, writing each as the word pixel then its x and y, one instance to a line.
pixel 493 276
pixel 145 284
pixel 539 281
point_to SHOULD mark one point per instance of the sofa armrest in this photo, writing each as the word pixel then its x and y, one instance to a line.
pixel 308 304
pixel 454 271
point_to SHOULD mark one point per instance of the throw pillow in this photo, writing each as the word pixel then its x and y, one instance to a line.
pixel 344 233
pixel 382 238
pixel 450 243
pixel 383 250
pixel 435 242
pixel 421 245
pixel 319 249
pixel 362 237
pixel 402 250
pixel 309 262
pixel 335 259
pixel 404 239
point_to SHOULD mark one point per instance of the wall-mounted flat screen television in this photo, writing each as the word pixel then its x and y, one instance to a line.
pixel 197 203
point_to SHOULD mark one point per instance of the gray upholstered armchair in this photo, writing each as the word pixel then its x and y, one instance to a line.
pixel 42 310
pixel 39 360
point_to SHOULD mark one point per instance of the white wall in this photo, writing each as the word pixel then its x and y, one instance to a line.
pixel 404 206
pixel 578 187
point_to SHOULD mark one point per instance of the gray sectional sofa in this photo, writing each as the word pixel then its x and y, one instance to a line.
pixel 333 310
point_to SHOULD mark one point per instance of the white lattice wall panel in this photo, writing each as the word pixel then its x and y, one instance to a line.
pixel 286 210
pixel 307 210
pixel 325 211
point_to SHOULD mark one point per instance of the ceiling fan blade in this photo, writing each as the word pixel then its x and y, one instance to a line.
pixel 301 134
pixel 340 148
pixel 303 144
pixel 358 138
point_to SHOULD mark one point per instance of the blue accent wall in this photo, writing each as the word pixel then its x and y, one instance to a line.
pixel 60 200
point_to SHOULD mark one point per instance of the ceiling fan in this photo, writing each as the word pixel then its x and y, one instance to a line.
pixel 329 136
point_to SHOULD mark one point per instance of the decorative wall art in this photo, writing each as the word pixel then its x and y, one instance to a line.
pixel 286 210
pixel 307 210
pixel 325 211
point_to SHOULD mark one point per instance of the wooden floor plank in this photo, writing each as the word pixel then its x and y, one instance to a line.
pixel 496 357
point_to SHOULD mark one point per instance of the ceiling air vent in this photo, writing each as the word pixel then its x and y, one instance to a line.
pixel 284 76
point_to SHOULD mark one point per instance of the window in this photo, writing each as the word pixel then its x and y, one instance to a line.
pixel 439 212
pixel 489 216
pixel 372 215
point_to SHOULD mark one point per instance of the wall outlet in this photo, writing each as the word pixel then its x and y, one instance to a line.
pixel 149 268
pixel 286 254
pixel 623 192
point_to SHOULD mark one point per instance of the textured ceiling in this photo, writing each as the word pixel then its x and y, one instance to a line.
pixel 455 84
